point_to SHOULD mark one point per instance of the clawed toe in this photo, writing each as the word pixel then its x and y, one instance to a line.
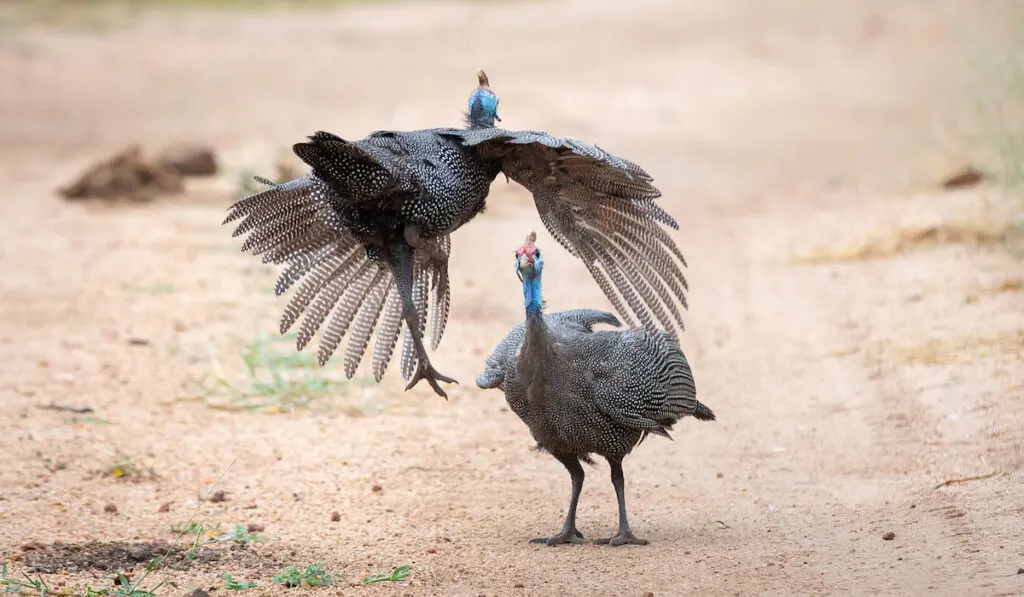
pixel 430 374
pixel 627 538
pixel 575 538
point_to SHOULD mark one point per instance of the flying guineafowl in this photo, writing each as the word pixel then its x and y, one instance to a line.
pixel 368 230
pixel 583 392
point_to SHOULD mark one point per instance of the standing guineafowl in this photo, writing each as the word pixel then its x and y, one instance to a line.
pixel 368 230
pixel 583 392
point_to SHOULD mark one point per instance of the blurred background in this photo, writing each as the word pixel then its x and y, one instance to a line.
pixel 848 182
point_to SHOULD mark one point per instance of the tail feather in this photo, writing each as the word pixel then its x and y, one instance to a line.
pixel 440 302
pixel 704 413
pixel 338 265
pixel 387 335
pixel 421 283
pixel 351 296
pixel 366 321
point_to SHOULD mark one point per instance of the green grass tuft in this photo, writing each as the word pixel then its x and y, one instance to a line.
pixel 313 576
pixel 398 574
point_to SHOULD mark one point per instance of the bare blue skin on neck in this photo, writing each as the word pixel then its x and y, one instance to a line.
pixel 531 277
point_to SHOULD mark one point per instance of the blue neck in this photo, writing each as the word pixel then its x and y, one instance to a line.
pixel 532 295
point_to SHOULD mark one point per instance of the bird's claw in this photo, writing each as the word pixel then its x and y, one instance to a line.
pixel 426 371
pixel 573 537
pixel 626 538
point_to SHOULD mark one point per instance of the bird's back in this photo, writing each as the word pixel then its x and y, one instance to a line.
pixel 597 392
pixel 447 184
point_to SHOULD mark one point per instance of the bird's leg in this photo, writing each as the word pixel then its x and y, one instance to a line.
pixel 625 535
pixel 424 370
pixel 434 252
pixel 569 532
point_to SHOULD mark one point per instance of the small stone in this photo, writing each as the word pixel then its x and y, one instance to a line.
pixel 889 536
pixel 110 508
pixel 255 527
pixel 719 475
pixel 1020 570
pixel 164 507
pixel 335 517
pixel 431 550
pixel 377 488
pixel 219 496
pixel 518 585
pixel 649 594
pixel 199 593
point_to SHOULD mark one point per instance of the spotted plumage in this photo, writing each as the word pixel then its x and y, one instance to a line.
pixel 367 231
pixel 584 392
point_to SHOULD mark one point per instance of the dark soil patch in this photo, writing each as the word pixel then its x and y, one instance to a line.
pixel 115 556
pixel 119 556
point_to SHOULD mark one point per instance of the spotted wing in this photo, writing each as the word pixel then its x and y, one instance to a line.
pixel 602 209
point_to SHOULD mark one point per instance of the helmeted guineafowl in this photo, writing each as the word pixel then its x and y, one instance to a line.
pixel 368 230
pixel 583 392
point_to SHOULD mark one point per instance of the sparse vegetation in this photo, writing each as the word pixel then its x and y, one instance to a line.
pixel 15 585
pixel 235 585
pixel 312 576
pixel 124 588
pixel 276 379
pixel 241 535
pixel 399 573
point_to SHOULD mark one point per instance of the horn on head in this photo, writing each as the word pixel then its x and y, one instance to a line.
pixel 481 77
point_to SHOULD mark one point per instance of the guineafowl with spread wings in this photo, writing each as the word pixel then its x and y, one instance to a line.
pixel 368 230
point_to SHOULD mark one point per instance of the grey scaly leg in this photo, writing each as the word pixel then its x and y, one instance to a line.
pixel 569 532
pixel 424 370
pixel 625 535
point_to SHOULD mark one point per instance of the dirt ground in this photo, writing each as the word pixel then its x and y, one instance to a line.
pixel 856 328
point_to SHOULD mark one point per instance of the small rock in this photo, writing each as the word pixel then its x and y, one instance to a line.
pixel 1020 570
pixel 431 550
pixel 199 593
pixel 110 508
pixel 377 488
pixel 649 594
pixel 889 536
pixel 335 517
pixel 189 160
pixel 255 527
pixel 138 342
pixel 219 496
pixel 518 585
pixel 719 475
pixel 966 177
pixel 164 507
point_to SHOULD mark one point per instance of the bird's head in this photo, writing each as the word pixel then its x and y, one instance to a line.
pixel 529 267
pixel 483 103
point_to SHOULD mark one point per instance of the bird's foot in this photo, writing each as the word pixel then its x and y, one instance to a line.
pixel 426 371
pixel 574 537
pixel 623 538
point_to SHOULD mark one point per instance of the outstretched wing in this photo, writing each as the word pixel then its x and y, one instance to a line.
pixel 297 223
pixel 602 209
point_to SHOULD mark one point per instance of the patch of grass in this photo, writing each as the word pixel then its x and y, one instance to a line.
pixel 241 535
pixel 124 588
pixel 15 585
pixel 234 585
pixel 275 379
pixel 905 240
pixel 951 351
pixel 88 421
pixel 313 576
pixel 400 573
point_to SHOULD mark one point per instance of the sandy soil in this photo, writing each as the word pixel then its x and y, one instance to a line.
pixel 857 350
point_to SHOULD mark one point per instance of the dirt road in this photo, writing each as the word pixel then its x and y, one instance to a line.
pixel 856 331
